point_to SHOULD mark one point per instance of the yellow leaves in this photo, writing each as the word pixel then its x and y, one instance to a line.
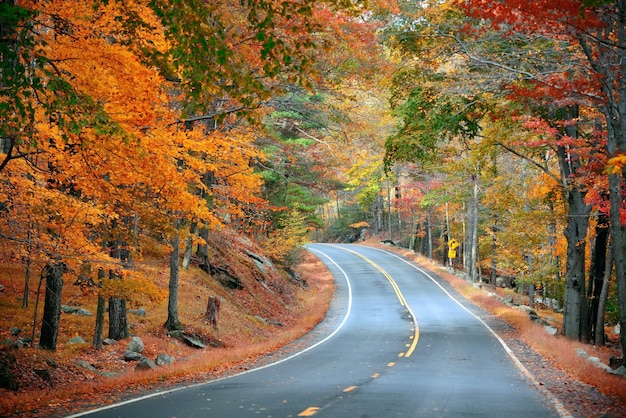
pixel 616 164
pixel 360 225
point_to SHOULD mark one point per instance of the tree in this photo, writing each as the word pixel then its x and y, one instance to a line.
pixel 590 36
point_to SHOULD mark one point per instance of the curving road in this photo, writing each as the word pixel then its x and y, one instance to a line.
pixel 398 346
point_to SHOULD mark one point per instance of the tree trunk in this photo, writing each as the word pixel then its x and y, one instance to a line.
pixel 575 233
pixel 99 327
pixel 97 334
pixel 193 230
pixel 52 306
pixel 471 268
pixel 604 294
pixel 203 251
pixel 213 311
pixel 172 322
pixel 429 233
pixel 596 277
pixel 118 322
pixel 618 239
pixel 26 283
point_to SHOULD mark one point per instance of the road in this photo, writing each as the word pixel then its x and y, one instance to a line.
pixel 397 345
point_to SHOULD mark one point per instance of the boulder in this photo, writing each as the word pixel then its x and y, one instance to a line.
pixel 192 341
pixel 140 311
pixel 164 359
pixel 132 356
pixel 85 365
pixel 551 330
pixel 75 311
pixel 145 364
pixel 135 345
pixel 77 340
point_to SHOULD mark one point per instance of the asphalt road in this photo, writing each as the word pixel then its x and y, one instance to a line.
pixel 394 345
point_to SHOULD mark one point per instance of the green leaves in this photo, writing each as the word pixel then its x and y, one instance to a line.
pixel 427 118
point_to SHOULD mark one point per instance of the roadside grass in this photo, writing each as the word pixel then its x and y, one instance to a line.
pixel 560 350
pixel 242 336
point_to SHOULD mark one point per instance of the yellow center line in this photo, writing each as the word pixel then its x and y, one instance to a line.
pixel 400 296
pixel 310 411
pixel 349 389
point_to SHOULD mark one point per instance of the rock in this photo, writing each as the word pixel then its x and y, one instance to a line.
pixel 581 353
pixel 85 365
pixel 75 311
pixel 77 340
pixel 15 331
pixel 24 342
pixel 135 345
pixel 109 341
pixel 598 363
pixel 262 263
pixel 44 374
pixel 527 309
pixel 617 329
pixel 145 364
pixel 176 333
pixel 164 359
pixel 140 311
pixel 507 300
pixel 132 356
pixel 621 371
pixel 551 330
pixel 52 363
pixel 296 277
pixel 226 278
pixel 193 342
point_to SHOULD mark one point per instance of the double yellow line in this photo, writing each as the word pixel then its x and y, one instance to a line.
pixel 400 297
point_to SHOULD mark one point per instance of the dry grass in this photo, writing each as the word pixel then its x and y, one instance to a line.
pixel 560 350
pixel 240 338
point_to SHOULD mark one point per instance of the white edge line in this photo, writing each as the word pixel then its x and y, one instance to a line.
pixel 560 408
pixel 167 392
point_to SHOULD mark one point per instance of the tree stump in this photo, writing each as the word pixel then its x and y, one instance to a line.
pixel 213 310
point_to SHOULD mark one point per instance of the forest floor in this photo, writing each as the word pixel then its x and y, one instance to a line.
pixel 251 328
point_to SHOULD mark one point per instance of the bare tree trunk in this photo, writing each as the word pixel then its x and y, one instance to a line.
pixel 471 268
pixel 429 233
pixel 52 306
pixel 193 230
pixel 213 310
pixel 118 321
pixel 596 278
pixel 97 335
pixel 575 232
pixel 172 322
pixel 604 294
